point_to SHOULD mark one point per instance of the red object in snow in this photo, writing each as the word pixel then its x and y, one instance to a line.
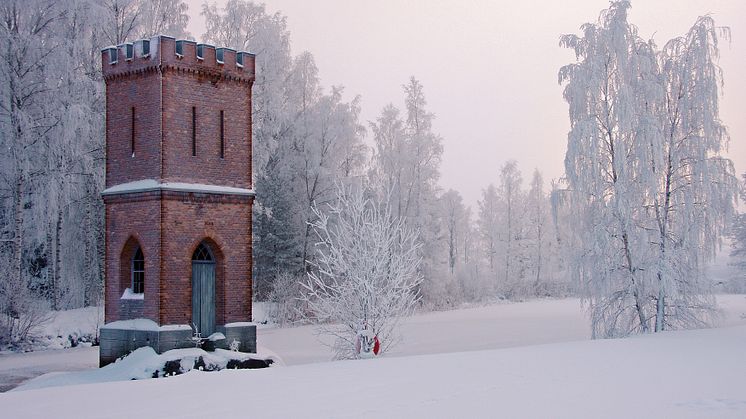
pixel 376 345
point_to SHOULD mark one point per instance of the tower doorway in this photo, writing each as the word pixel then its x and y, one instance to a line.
pixel 203 290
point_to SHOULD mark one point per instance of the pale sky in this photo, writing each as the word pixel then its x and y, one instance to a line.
pixel 489 69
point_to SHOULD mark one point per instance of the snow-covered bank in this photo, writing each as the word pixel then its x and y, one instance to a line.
pixel 144 364
pixel 675 374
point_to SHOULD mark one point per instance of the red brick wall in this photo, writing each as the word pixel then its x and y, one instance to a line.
pixel 173 83
pixel 181 92
pixel 224 222
pixel 132 217
pixel 169 225
pixel 141 91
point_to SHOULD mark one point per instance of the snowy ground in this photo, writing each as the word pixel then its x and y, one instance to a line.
pixel 143 363
pixel 16 368
pixel 489 327
pixel 676 374
pixel 62 329
pixel 696 380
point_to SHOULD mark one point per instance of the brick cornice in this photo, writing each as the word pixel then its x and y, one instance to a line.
pixel 201 197
pixel 206 72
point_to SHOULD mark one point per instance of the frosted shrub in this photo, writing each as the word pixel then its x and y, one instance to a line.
pixel 366 273
pixel 285 304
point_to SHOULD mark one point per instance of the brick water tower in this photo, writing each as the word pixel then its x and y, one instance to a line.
pixel 178 196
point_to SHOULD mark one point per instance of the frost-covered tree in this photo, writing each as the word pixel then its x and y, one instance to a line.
pixel 389 169
pixel 129 20
pixel 564 239
pixel 426 148
pixel 27 38
pixel 406 166
pixel 284 305
pixel 738 236
pixel 488 226
pixel 52 135
pixel 694 189
pixel 51 171
pixel 163 17
pixel 367 272
pixel 247 26
pixel 456 225
pixel 539 238
pixel 306 140
pixel 653 193
pixel 511 218
pixel 470 265
pixel 330 151
pixel 122 18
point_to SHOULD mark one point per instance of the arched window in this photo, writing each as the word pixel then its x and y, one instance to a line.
pixel 202 254
pixel 138 272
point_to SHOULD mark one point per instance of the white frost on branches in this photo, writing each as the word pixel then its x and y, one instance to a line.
pixel 652 193
pixel 366 272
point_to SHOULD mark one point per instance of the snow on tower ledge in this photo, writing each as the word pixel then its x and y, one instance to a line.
pixel 150 185
pixel 161 52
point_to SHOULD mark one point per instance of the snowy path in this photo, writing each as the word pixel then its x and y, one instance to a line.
pixel 489 327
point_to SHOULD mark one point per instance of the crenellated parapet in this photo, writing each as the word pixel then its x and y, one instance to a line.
pixel 165 53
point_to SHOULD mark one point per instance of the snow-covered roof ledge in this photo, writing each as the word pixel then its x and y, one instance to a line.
pixel 129 295
pixel 149 185
pixel 144 325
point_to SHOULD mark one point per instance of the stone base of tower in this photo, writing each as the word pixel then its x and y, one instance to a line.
pixel 121 338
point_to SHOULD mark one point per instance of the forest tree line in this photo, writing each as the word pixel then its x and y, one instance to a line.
pixel 308 141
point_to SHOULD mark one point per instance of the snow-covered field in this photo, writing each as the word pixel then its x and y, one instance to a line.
pixel 471 362
pixel 678 375
pixel 488 327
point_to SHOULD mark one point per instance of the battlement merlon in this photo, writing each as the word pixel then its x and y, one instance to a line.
pixel 165 52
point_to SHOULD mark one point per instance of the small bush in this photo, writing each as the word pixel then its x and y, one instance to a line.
pixel 248 364
pixel 172 368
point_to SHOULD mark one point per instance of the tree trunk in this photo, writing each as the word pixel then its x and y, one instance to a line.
pixel 635 291
pixel 660 307
pixel 18 231
pixel 57 259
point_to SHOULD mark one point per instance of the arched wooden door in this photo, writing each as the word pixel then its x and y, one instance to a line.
pixel 203 290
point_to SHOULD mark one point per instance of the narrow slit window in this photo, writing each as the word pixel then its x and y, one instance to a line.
pixel 132 132
pixel 194 130
pixel 222 134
